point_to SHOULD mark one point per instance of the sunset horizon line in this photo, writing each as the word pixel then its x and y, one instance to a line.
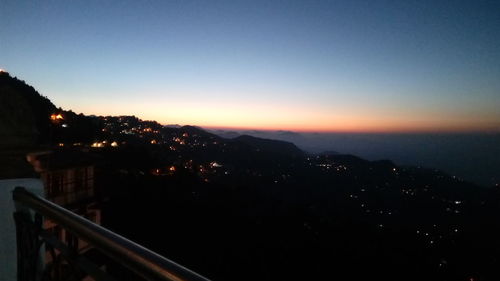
pixel 395 130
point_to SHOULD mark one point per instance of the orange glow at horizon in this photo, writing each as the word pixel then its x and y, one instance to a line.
pixel 300 119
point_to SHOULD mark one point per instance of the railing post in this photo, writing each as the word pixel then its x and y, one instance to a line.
pixel 8 232
pixel 29 246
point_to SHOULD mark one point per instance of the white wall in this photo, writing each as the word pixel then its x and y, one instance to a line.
pixel 8 254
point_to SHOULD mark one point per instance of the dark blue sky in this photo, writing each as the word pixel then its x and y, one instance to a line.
pixel 303 65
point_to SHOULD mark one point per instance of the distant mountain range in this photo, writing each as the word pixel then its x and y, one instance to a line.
pixel 273 146
pixel 25 121
pixel 469 156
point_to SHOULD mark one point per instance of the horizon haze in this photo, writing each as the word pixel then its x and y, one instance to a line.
pixel 329 66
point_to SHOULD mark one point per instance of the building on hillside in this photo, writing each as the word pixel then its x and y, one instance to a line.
pixel 69 181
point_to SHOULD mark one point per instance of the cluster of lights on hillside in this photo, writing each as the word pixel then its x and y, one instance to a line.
pixel 56 116
pixel 100 144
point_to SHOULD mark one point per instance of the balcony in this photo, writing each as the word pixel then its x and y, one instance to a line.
pixel 42 256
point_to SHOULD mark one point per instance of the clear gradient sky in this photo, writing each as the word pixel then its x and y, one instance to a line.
pixel 383 66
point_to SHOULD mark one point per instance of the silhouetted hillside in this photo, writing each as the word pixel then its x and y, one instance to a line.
pixel 193 130
pixel 329 153
pixel 273 146
pixel 24 113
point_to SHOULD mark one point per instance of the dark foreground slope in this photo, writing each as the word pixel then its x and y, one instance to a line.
pixel 304 219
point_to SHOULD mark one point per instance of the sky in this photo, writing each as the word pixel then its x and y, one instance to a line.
pixel 336 66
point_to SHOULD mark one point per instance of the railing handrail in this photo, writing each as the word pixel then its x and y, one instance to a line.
pixel 142 261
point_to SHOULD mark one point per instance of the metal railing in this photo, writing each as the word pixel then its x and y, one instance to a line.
pixel 30 237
